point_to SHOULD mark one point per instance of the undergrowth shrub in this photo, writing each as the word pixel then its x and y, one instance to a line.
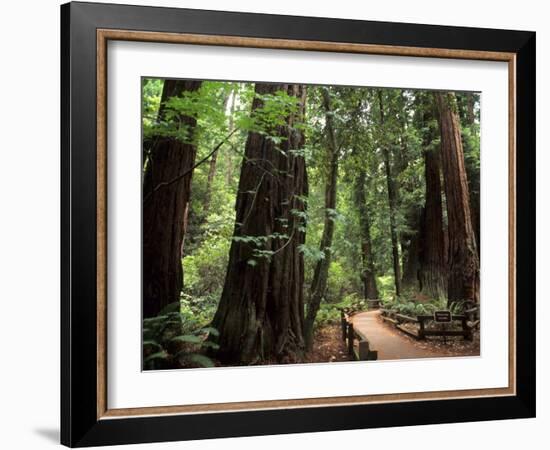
pixel 177 337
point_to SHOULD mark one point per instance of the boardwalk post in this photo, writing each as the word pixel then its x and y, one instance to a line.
pixel 468 332
pixel 350 338
pixel 363 350
pixel 344 324
pixel 421 334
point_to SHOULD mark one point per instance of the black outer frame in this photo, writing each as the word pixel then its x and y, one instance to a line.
pixel 79 424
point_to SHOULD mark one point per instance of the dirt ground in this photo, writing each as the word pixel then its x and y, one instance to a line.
pixel 390 343
pixel 328 346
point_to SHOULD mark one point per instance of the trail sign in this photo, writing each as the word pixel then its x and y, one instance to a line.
pixel 443 316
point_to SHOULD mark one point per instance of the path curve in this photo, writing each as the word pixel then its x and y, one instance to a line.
pixel 389 342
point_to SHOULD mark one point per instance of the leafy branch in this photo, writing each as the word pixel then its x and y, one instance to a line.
pixel 188 171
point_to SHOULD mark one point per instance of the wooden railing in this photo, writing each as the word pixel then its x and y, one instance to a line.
pixel 397 320
pixel 374 304
pixel 350 335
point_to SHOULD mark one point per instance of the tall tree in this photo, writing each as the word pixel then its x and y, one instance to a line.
pixel 432 274
pixel 463 258
pixel 470 140
pixel 392 199
pixel 260 314
pixel 410 247
pixel 320 274
pixel 166 192
pixel 368 277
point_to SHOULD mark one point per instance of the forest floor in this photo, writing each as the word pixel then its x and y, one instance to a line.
pixel 393 344
pixel 390 343
pixel 328 346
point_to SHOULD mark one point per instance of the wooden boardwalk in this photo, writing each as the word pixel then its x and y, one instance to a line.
pixel 390 343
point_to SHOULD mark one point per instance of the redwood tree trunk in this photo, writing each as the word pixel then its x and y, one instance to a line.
pixel 468 118
pixel 392 199
pixel 432 273
pixel 164 208
pixel 368 277
pixel 463 258
pixel 320 274
pixel 410 247
pixel 471 104
pixel 260 314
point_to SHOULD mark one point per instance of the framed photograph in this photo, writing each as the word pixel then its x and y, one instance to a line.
pixel 277 224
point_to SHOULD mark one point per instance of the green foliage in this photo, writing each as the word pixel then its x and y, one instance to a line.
pixel 259 243
pixel 168 341
pixel 151 93
pixel 203 266
pixel 408 131
pixel 201 360
pixel 353 303
pixel 426 307
pixel 330 313
pixel 338 280
pixel 386 287
pixel 412 309
pixel 459 306
pixel 204 105
pixel 197 312
pixel 151 359
pixel 273 113
pixel 311 254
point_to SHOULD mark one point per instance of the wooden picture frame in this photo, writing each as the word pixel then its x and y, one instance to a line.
pixel 85 416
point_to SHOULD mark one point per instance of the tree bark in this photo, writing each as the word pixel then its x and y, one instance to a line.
pixel 468 118
pixel 410 247
pixel 320 274
pixel 463 258
pixel 392 199
pixel 260 314
pixel 164 209
pixel 432 273
pixel 470 110
pixel 368 276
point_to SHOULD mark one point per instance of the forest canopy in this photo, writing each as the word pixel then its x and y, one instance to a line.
pixel 268 208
